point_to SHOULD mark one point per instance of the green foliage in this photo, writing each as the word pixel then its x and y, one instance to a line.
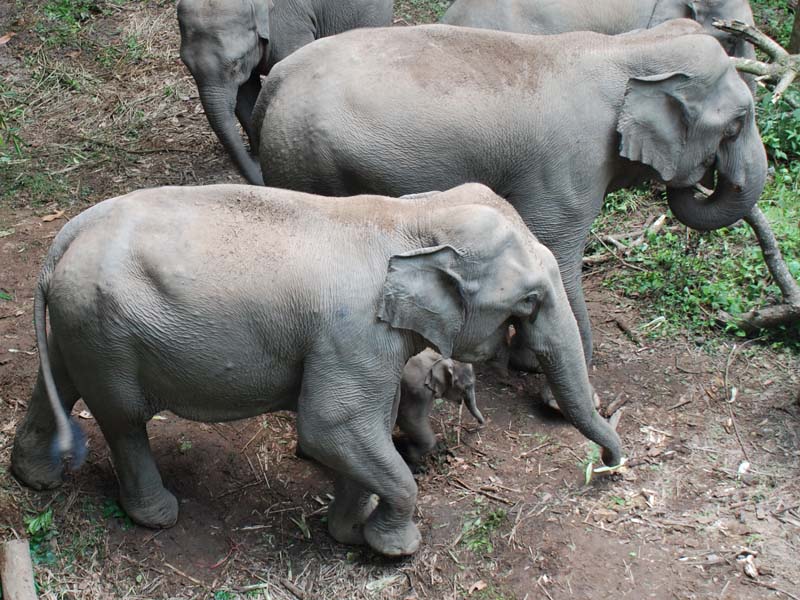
pixel 774 18
pixel 63 19
pixel 41 531
pixel 112 510
pixel 224 595
pixel 421 11
pixel 688 277
pixel 780 128
pixel 477 531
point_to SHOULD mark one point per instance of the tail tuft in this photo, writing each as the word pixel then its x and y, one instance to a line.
pixel 72 452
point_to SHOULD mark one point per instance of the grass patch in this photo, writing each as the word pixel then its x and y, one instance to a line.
pixel 478 530
pixel 689 277
pixel 421 11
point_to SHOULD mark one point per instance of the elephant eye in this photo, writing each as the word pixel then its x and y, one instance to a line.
pixel 733 129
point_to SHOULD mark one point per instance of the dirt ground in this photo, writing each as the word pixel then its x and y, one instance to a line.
pixel 709 506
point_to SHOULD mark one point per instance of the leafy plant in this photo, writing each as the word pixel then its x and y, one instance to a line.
pixel 477 531
pixel 112 510
pixel 41 531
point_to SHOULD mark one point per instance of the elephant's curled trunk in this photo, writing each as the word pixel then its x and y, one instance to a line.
pixel 738 189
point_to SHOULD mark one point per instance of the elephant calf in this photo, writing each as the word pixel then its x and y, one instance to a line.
pixel 224 302
pixel 429 376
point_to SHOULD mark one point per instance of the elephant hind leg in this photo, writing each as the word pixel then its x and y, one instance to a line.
pixel 118 404
pixel 32 458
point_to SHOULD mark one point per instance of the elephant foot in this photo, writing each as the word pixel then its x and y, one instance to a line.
pixel 33 463
pixel 413 452
pixel 550 401
pixel 157 511
pixel 346 522
pixel 397 541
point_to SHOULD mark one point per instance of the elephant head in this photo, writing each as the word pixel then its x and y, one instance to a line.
pixel 225 44
pixel 483 272
pixel 455 381
pixel 694 115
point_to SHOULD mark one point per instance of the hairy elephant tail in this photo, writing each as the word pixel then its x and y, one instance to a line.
pixel 69 444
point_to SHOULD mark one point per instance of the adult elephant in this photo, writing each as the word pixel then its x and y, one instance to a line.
pixel 224 302
pixel 551 123
pixel 228 44
pixel 546 17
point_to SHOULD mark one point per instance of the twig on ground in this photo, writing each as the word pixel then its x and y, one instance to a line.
pixel 769 586
pixel 184 575
pixel 527 453
pixel 482 492
pixel 736 429
pixel 618 402
pixel 293 588
pixel 682 402
pixel 626 329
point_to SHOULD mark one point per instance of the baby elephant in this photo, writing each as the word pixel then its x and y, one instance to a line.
pixel 225 302
pixel 429 376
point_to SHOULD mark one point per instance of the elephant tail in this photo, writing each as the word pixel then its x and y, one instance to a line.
pixel 69 443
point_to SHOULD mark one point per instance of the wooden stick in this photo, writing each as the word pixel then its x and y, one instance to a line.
pixel 16 571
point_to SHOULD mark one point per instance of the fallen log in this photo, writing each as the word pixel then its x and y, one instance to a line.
pixel 16 571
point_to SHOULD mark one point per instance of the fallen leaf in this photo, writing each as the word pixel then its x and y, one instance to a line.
pixel 85 414
pixel 750 567
pixel 4 39
pixel 52 217
pixel 6 232
pixel 477 586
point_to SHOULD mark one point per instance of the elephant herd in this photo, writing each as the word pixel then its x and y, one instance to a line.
pixel 227 301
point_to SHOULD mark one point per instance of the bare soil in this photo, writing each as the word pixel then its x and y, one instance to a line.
pixel 707 508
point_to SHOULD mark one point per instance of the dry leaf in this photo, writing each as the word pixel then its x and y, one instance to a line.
pixel 4 39
pixel 85 414
pixel 56 215
pixel 750 567
pixel 477 586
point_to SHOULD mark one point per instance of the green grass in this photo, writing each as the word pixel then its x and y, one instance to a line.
pixel 687 277
pixel 478 530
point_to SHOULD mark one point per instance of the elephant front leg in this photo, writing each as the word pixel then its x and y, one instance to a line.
pixel 349 430
pixel 413 419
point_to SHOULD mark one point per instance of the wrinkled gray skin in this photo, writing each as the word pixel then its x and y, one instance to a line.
pixel 429 376
pixel 551 123
pixel 225 302
pixel 228 44
pixel 546 17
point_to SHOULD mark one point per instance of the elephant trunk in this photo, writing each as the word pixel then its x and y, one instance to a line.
pixel 469 400
pixel 220 106
pixel 739 185
pixel 556 341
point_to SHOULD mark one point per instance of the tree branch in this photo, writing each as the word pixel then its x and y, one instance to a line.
pixel 784 68
pixel 772 256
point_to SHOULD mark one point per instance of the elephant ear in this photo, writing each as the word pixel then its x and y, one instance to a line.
pixel 654 121
pixel 423 293
pixel 440 378
pixel 261 10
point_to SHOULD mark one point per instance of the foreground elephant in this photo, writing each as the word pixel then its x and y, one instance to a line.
pixel 546 17
pixel 228 44
pixel 429 376
pixel 225 302
pixel 551 123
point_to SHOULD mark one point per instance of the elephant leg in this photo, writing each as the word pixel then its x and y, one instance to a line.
pixel 245 101
pixel 120 410
pixel 413 419
pixel 33 461
pixel 346 425
pixel 350 509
